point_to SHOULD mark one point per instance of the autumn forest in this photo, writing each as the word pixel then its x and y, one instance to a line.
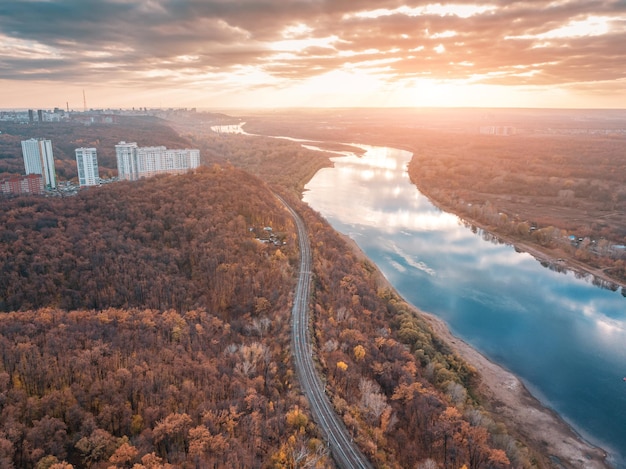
pixel 146 325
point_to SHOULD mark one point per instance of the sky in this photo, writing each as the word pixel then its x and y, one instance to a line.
pixel 316 53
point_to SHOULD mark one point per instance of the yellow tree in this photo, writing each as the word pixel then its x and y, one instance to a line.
pixel 359 352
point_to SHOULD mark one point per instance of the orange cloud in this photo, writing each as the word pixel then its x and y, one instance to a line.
pixel 277 44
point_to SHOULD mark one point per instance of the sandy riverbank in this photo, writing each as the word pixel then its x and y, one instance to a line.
pixel 506 396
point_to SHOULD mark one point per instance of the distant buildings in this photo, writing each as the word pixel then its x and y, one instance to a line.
pixel 29 184
pixel 87 164
pixel 502 130
pixel 135 162
pixel 38 159
pixel 89 118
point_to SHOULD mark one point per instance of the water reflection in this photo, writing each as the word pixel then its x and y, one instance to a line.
pixel 561 334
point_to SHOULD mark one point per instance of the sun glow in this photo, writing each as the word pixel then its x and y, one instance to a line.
pixel 426 92
pixel 350 54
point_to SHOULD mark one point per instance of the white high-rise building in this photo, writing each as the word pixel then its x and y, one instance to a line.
pixel 127 161
pixel 182 159
pixel 149 160
pixel 136 162
pixel 38 159
pixel 87 164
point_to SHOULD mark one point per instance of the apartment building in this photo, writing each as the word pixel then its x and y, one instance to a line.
pixel 87 164
pixel 29 184
pixel 38 159
pixel 135 162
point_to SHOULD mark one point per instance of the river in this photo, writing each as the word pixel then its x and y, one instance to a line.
pixel 562 335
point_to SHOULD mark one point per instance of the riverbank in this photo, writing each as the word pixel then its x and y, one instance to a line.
pixel 565 261
pixel 505 395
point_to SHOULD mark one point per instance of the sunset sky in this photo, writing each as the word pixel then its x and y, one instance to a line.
pixel 337 53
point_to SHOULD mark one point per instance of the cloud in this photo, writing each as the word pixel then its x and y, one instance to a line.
pixel 159 42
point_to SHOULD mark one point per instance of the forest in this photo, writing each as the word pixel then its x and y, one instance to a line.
pixel 150 328
pixel 143 388
pixel 160 243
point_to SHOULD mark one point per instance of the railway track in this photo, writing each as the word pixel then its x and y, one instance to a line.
pixel 343 449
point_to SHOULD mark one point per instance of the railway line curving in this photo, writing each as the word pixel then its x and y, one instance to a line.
pixel 344 452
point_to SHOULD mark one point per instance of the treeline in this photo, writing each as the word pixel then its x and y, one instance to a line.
pixel 67 136
pixel 406 397
pixel 178 243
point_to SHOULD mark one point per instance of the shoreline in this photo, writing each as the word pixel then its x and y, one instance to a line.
pixel 542 429
pixel 567 261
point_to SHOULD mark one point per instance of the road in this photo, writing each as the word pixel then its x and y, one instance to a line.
pixel 345 453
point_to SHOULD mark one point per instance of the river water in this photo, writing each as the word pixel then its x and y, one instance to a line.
pixel 563 336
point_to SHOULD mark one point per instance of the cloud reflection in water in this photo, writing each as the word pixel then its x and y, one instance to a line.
pixel 561 334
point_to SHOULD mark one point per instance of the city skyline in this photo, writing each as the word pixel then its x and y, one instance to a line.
pixel 247 53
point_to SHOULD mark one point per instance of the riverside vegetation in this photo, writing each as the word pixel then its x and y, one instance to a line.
pixel 536 190
pixel 146 327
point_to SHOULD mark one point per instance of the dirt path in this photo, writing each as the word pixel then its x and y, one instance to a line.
pixel 507 397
